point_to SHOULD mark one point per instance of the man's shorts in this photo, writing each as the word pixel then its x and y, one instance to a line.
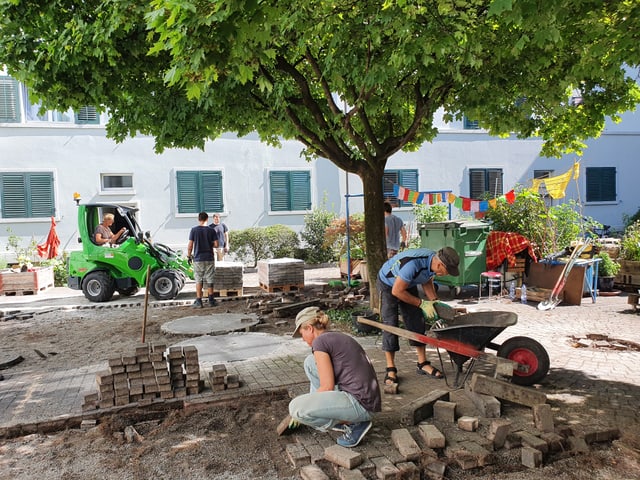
pixel 204 272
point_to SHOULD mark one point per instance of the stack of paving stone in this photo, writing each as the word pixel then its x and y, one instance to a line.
pixel 220 380
pixel 228 278
pixel 146 377
pixel 281 272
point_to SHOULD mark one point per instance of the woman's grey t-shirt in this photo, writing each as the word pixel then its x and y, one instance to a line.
pixel 352 369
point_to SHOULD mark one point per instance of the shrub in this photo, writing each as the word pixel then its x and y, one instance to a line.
pixel 336 236
pixel 258 243
pixel 630 243
pixel 430 213
pixel 608 267
pixel 60 270
pixel 282 241
pixel 315 225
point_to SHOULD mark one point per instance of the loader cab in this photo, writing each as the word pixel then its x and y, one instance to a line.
pixel 91 216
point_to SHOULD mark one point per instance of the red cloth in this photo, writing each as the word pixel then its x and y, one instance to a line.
pixel 501 245
pixel 49 249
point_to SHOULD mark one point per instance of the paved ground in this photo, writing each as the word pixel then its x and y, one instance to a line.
pixel 603 379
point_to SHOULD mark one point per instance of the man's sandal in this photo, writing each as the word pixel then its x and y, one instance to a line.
pixel 388 379
pixel 434 371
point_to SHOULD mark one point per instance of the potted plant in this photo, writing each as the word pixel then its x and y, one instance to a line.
pixel 607 272
pixel 629 258
pixel 336 239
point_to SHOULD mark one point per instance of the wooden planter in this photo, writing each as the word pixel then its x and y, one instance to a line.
pixel 26 283
pixel 629 275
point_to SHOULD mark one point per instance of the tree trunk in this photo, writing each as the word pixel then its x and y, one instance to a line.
pixel 376 245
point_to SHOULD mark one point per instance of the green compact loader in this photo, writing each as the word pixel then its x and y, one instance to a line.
pixel 101 271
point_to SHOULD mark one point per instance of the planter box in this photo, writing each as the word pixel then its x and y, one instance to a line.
pixel 629 275
pixel 26 283
pixel 357 266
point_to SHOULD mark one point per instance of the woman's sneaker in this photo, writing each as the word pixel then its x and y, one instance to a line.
pixel 353 434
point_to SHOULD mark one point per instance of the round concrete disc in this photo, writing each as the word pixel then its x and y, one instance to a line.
pixel 214 324
pixel 236 347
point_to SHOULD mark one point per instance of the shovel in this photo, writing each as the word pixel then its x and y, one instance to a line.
pixel 554 298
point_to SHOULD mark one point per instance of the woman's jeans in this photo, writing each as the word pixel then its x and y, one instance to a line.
pixel 324 410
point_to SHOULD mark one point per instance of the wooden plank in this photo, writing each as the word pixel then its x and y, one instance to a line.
pixel 506 391
pixel 294 308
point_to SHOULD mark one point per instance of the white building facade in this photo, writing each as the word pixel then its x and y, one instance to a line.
pixel 45 159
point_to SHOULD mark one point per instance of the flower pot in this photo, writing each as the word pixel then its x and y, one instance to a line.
pixel 606 283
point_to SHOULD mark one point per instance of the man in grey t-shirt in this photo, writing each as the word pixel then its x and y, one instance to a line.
pixel 394 229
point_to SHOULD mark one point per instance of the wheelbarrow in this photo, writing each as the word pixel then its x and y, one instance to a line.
pixel 467 335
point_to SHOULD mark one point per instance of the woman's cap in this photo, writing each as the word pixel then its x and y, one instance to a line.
pixel 305 315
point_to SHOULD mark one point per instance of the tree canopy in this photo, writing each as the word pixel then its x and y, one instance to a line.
pixel 354 81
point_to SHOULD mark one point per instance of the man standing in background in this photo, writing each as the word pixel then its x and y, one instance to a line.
pixel 202 244
pixel 394 228
pixel 222 235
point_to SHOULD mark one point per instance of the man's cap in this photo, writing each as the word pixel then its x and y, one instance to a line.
pixel 451 260
pixel 304 316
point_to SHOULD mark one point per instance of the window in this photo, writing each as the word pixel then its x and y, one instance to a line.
pixel 9 100
pixel 470 124
pixel 404 178
pixel 27 195
pixel 485 181
pixel 601 184
pixel 199 191
pixel 116 183
pixel 537 174
pixel 290 191
pixel 87 116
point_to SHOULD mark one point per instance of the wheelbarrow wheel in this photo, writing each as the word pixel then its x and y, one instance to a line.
pixel 526 351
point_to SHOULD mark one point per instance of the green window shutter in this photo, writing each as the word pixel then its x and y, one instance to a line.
pixel 199 192
pixel 601 184
pixel 187 185
pixel 408 179
pixel 212 191
pixel 470 124
pixel 290 191
pixel 494 182
pixel 279 191
pixel 29 195
pixel 484 181
pixel 300 190
pixel 404 178
pixel 9 100
pixel 41 195
pixel 87 116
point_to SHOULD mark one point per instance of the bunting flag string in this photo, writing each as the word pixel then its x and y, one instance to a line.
pixel 465 204
pixel 428 198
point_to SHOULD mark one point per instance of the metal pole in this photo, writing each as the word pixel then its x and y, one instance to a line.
pixel 348 230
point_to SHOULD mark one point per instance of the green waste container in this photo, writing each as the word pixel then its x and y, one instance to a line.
pixel 468 238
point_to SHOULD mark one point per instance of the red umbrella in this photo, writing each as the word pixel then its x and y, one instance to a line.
pixel 49 249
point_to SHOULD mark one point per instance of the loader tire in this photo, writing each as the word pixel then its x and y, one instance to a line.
pixel 526 351
pixel 98 286
pixel 163 284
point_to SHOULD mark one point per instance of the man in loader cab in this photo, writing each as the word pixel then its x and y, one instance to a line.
pixel 103 234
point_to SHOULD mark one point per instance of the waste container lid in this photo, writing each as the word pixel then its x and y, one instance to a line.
pixel 470 224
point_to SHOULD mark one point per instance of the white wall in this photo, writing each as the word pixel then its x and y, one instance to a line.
pixel 79 154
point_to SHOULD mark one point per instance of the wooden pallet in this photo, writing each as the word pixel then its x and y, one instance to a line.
pixel 281 288
pixel 14 293
pixel 228 293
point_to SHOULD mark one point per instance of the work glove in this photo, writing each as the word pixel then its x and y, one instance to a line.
pixel 293 424
pixel 190 259
pixel 403 245
pixel 429 310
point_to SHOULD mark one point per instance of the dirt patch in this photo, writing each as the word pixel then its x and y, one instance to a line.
pixel 232 440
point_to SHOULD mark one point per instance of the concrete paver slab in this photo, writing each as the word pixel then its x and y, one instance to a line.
pixel 214 324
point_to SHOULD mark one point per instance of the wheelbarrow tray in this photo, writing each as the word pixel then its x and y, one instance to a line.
pixel 477 328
